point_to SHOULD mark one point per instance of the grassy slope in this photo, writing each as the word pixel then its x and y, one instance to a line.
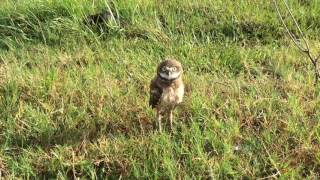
pixel 73 101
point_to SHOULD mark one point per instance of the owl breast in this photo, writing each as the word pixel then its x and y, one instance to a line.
pixel 170 96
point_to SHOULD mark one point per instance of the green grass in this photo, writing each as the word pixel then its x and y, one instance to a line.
pixel 74 99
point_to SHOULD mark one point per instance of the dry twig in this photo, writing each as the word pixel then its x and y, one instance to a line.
pixel 277 174
pixel 306 48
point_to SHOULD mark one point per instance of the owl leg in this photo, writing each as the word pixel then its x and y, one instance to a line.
pixel 171 119
pixel 159 117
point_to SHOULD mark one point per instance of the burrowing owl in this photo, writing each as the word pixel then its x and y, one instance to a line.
pixel 166 89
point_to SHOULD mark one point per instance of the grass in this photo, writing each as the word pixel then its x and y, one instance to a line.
pixel 74 98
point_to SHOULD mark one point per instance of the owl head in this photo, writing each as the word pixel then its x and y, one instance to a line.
pixel 170 69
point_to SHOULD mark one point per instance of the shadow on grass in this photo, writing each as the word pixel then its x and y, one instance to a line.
pixel 83 131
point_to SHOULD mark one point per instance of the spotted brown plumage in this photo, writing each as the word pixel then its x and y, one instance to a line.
pixel 155 94
pixel 166 89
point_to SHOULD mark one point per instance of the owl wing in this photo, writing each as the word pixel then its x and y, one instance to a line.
pixel 155 94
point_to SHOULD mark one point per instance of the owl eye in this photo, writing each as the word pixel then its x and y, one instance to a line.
pixel 174 69
pixel 163 69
